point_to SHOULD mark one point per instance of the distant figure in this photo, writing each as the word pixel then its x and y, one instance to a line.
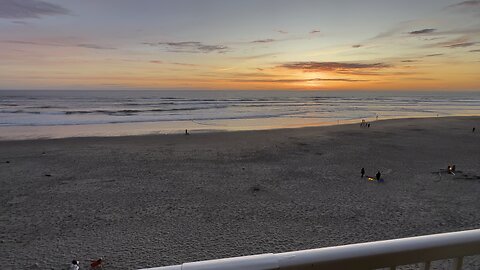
pixel 363 123
pixel 74 265
pixel 473 130
pixel 376 117
pixel 97 264
pixel 368 125
pixel 453 168
pixel 449 169
pixel 378 175
pixel 186 132
pixel 362 171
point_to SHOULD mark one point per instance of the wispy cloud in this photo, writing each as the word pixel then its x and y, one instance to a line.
pixel 470 3
pixel 282 31
pixel 394 30
pixel 271 40
pixel 460 42
pixel 80 45
pixel 461 45
pixel 94 46
pixel 467 7
pixel 315 31
pixel 184 64
pixel 420 79
pixel 298 80
pixel 173 63
pixel 27 42
pixel 23 9
pixel 434 54
pixel 409 61
pixel 357 45
pixel 19 22
pixel 423 31
pixel 189 47
pixel 257 56
pixel 268 40
pixel 478 50
pixel 332 66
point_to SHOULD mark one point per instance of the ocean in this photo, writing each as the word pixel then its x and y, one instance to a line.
pixel 57 114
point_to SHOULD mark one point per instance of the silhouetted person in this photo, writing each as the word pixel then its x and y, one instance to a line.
pixel 473 130
pixel 74 265
pixel 368 125
pixel 186 132
pixel 449 169
pixel 362 171
pixel 453 168
pixel 378 175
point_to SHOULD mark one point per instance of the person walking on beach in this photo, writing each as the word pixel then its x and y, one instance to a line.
pixel 378 175
pixel 186 132
pixel 362 171
pixel 473 130
pixel 74 265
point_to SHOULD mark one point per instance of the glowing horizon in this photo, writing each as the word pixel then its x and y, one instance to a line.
pixel 244 45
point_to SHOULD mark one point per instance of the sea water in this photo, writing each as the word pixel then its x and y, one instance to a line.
pixel 55 114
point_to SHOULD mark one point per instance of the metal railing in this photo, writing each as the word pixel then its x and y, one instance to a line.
pixel 372 255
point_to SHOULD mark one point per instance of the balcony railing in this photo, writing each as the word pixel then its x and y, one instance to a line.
pixel 372 255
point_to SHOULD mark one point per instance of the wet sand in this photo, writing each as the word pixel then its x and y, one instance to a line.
pixel 145 201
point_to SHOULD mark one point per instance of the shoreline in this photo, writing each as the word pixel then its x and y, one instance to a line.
pixel 209 131
pixel 153 200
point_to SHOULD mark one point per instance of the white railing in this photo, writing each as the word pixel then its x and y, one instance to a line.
pixel 372 255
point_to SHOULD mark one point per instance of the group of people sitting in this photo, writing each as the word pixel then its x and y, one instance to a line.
pixel 96 264
pixel 364 124
pixel 377 176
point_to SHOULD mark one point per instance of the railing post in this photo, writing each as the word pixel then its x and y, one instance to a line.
pixel 458 263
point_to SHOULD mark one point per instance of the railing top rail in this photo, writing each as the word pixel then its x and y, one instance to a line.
pixel 356 256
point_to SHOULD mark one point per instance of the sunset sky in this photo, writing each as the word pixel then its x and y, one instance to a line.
pixel 221 44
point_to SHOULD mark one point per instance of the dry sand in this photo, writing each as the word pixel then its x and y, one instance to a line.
pixel 147 201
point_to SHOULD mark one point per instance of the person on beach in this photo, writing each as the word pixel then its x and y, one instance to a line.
pixel 97 264
pixel 449 169
pixel 186 132
pixel 368 125
pixel 453 168
pixel 74 265
pixel 378 175
pixel 362 171
pixel 473 130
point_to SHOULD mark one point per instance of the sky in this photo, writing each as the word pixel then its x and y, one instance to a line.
pixel 251 45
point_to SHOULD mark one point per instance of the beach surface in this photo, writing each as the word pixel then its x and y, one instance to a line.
pixel 145 201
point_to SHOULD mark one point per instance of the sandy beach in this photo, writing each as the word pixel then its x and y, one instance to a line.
pixel 145 201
